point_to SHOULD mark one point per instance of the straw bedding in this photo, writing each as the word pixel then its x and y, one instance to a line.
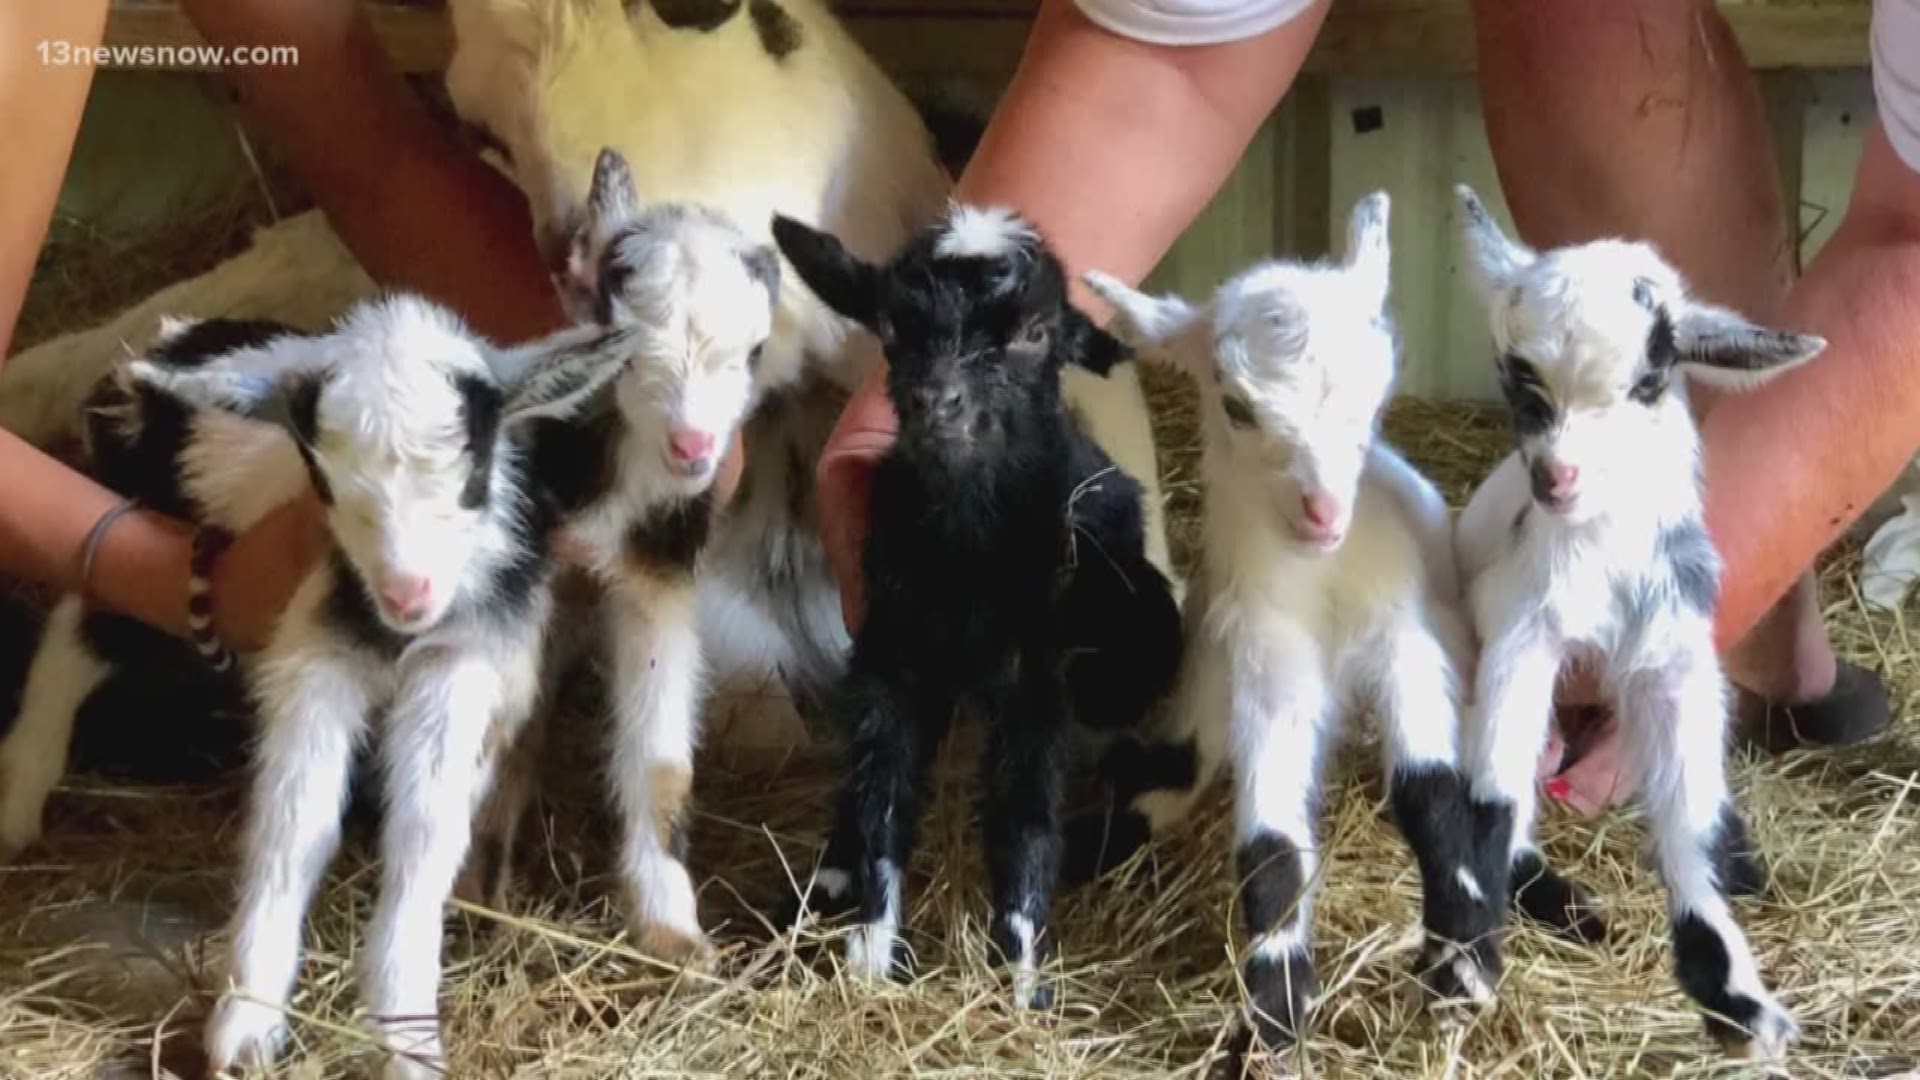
pixel 110 932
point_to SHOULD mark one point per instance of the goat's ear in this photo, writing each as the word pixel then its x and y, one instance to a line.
pixel 763 265
pixel 1493 258
pixel 1087 345
pixel 289 398
pixel 247 393
pixel 611 195
pixel 555 385
pixel 1720 348
pixel 837 276
pixel 1155 326
pixel 572 248
pixel 1369 256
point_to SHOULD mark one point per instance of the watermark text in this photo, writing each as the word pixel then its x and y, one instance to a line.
pixel 67 54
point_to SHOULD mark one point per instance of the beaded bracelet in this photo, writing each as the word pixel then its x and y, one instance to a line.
pixel 208 545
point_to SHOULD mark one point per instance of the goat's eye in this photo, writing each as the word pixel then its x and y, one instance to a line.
pixel 1647 388
pixel 1239 412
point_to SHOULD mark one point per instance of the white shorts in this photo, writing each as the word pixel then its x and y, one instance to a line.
pixel 1896 44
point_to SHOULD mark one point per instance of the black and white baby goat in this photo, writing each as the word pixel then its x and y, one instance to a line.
pixel 420 633
pixel 1587 544
pixel 1326 587
pixel 1005 570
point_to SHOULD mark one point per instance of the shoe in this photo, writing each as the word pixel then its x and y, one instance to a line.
pixel 1855 710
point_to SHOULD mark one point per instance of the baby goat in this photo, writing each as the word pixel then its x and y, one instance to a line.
pixel 1326 587
pixel 633 482
pixel 1587 544
pixel 421 631
pixel 1005 569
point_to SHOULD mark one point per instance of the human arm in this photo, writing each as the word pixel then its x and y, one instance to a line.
pixel 1161 127
pixel 419 210
pixel 1792 465
pixel 39 139
pixel 49 510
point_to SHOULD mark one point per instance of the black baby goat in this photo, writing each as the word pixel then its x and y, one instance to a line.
pixel 1004 570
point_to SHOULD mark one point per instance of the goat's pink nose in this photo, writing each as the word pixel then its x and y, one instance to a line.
pixel 1562 476
pixel 1322 510
pixel 406 594
pixel 690 444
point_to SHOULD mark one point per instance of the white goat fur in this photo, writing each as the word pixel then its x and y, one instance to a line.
pixel 390 437
pixel 1288 634
pixel 1604 580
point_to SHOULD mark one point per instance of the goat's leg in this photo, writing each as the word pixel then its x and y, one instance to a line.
pixel 313 711
pixel 830 890
pixel 484 878
pixel 1280 704
pixel 33 756
pixel 1020 792
pixel 895 734
pixel 1507 726
pixel 439 749
pixel 656 702
pixel 1419 687
pixel 1156 777
pixel 1677 727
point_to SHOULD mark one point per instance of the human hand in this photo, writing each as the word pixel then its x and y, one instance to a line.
pixel 256 577
pixel 1585 731
pixel 844 481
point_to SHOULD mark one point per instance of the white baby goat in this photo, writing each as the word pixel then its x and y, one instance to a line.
pixel 1586 544
pixel 1326 586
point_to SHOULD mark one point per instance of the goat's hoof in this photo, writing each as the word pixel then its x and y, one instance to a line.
pixel 1452 975
pixel 684 947
pixel 1282 993
pixel 1248 1039
pixel 1764 1039
pixel 1028 987
pixel 1034 991
pixel 876 953
pixel 244 1036
pixel 1558 903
